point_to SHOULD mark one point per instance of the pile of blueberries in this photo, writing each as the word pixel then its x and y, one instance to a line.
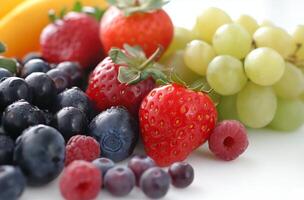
pixel 41 107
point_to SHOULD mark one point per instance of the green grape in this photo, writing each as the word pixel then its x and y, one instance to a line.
pixel 176 62
pixel 289 115
pixel 256 105
pixel 180 39
pixel 208 22
pixel 233 40
pixel 227 108
pixel 267 23
pixel 225 74
pixel 291 85
pixel 198 54
pixel 264 66
pixel 249 23
pixel 298 37
pixel 275 38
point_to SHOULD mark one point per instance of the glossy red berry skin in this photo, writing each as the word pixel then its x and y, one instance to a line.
pixel 73 38
pixel 105 90
pixel 174 121
pixel 148 30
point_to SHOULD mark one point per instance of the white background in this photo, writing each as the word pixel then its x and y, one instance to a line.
pixel 272 167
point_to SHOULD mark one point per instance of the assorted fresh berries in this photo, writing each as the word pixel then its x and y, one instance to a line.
pixel 141 23
pixel 228 140
pixel 81 180
pixel 116 131
pixel 49 122
pixel 174 121
pixel 73 38
pixel 81 147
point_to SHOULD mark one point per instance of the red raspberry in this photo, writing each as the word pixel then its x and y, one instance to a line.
pixel 81 147
pixel 228 140
pixel 81 180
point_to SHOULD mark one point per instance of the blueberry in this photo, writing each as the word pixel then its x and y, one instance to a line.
pixel 5 73
pixel 139 164
pixel 6 150
pixel 155 182
pixel 34 65
pixel 74 70
pixel 40 152
pixel 119 181
pixel 61 79
pixel 74 97
pixel 12 182
pixel 31 56
pixel 13 89
pixel 116 131
pixel 43 88
pixel 103 164
pixel 182 174
pixel 19 116
pixel 70 121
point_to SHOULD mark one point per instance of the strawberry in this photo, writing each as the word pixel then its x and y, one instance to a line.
pixel 141 23
pixel 174 121
pixel 73 38
pixel 123 79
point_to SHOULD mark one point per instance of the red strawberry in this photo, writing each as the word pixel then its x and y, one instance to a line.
pixel 174 121
pixel 141 23
pixel 73 38
pixel 123 79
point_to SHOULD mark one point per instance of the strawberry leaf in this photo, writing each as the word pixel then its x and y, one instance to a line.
pixel 156 74
pixel 128 75
pixel 2 48
pixel 52 16
pixel 9 64
pixel 77 6
pixel 62 12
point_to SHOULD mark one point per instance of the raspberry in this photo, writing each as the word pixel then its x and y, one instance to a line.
pixel 81 147
pixel 228 140
pixel 81 180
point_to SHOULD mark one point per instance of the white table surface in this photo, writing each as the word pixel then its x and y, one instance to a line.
pixel 272 167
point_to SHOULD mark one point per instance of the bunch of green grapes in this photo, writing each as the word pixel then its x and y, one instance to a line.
pixel 256 70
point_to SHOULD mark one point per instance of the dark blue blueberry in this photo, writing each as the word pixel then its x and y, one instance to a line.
pixel 5 73
pixel 12 182
pixel 70 121
pixel 34 65
pixel 19 116
pixel 31 56
pixel 74 97
pixel 6 150
pixel 155 182
pixel 119 181
pixel 117 132
pixel 40 152
pixel 104 164
pixel 139 164
pixel 43 88
pixel 74 71
pixel 61 79
pixel 182 174
pixel 13 89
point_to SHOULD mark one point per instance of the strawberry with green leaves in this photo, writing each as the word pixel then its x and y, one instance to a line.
pixel 124 79
pixel 136 22
pixel 174 121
